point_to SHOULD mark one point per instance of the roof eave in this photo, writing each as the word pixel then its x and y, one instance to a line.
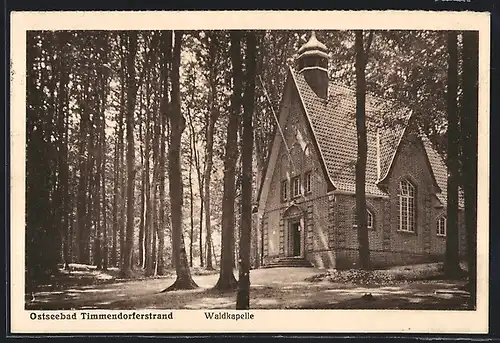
pixel 266 164
pixel 383 179
pixel 331 185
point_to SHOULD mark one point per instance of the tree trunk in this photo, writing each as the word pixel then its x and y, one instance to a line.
pixel 243 296
pixel 206 198
pixel 63 148
pixel 101 234
pixel 361 59
pixel 122 148
pixel 213 116
pixel 451 265
pixel 82 217
pixel 166 47
pixel 154 251
pixel 154 186
pixel 177 126
pixel 131 93
pixel 148 228
pixel 116 195
pixel 200 238
pixel 104 203
pixel 53 246
pixel 191 200
pixel 192 147
pixel 201 184
pixel 469 116
pixel 227 281
pixel 93 210
pixel 142 258
pixel 97 192
pixel 206 195
pixel 200 176
pixel 104 241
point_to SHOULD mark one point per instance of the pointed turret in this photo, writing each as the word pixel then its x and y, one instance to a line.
pixel 313 64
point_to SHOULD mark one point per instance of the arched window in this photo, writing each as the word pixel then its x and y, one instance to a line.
pixel 441 226
pixel 406 206
pixel 284 190
pixel 369 218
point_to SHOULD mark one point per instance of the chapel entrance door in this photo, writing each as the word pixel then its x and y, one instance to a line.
pixel 295 239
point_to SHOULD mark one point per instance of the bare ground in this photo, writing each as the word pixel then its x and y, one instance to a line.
pixel 274 288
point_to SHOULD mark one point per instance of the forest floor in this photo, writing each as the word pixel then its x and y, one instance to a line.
pixel 273 288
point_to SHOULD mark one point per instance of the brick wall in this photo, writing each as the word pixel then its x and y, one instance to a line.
pixel 329 239
pixel 315 205
pixel 389 245
pixel 410 164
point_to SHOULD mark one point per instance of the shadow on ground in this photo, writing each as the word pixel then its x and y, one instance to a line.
pixel 276 288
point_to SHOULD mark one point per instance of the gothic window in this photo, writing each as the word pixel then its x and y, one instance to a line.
pixel 284 190
pixel 307 182
pixel 406 206
pixel 441 226
pixel 296 187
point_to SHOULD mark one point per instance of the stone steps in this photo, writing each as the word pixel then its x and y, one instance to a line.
pixel 288 262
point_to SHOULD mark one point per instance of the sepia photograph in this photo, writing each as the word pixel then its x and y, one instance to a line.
pixel 261 168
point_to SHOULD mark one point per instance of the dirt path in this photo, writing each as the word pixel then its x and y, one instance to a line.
pixel 275 288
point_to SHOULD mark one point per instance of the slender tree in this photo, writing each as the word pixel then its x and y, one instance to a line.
pixel 468 128
pixel 148 226
pixel 362 54
pixel 82 221
pixel 131 96
pixel 243 296
pixel 227 281
pixel 451 265
pixel 142 153
pixel 154 186
pixel 63 111
pixel 166 52
pixel 213 115
pixel 116 196
pixel 191 201
pixel 121 147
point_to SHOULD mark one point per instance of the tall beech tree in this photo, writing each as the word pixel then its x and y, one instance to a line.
pixel 121 146
pixel 213 115
pixel 63 111
pixel 227 281
pixel 166 53
pixel 177 126
pixel 131 98
pixel 243 296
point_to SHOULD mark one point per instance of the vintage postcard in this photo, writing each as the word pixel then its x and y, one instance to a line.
pixel 261 171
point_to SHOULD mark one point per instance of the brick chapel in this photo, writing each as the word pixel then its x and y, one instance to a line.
pixel 306 203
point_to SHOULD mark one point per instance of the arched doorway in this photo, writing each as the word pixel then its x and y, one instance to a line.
pixel 294 226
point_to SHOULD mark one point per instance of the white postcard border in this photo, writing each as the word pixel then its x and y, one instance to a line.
pixel 185 321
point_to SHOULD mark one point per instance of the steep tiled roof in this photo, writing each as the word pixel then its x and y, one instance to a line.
pixel 439 169
pixel 440 173
pixel 333 123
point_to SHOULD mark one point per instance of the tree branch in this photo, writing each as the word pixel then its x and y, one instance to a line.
pixel 368 46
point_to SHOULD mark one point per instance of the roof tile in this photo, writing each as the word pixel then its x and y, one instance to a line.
pixel 334 124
